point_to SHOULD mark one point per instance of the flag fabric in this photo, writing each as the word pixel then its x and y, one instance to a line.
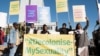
pixel 61 6
pixel 39 3
pixel 79 13
pixel 3 19
pixel 44 15
pixel 14 8
pixel 31 13
pixel 22 13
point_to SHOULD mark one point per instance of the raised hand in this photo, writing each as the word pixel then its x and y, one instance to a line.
pixel 86 18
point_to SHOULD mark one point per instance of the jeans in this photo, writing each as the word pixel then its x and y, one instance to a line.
pixel 13 50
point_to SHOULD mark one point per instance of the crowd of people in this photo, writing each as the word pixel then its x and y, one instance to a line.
pixel 14 37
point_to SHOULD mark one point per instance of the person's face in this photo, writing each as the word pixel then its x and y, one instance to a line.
pixel 64 26
pixel 16 26
pixel 45 28
pixel 32 26
pixel 79 26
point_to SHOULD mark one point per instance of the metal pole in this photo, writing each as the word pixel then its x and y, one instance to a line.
pixel 56 16
pixel 29 2
pixel 68 13
pixel 56 19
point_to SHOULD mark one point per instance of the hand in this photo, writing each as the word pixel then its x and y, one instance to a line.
pixel 69 23
pixel 11 45
pixel 86 18
pixel 97 22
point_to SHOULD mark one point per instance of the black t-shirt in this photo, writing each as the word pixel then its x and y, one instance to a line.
pixel 45 32
pixel 64 30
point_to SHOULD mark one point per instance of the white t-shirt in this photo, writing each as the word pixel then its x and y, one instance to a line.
pixel 80 31
pixel 31 31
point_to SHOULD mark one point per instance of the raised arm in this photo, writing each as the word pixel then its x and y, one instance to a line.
pixel 57 29
pixel 87 24
pixel 70 27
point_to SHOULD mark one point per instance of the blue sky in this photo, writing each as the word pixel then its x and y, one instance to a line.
pixel 91 12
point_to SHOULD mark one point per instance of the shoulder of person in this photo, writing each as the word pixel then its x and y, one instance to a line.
pixel 41 31
pixel 67 28
pixel 47 31
pixel 35 29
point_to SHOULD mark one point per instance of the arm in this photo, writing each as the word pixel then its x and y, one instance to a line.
pixel 35 31
pixel 70 27
pixel 41 32
pixel 57 29
pixel 27 30
pixel 11 37
pixel 87 24
pixel 48 32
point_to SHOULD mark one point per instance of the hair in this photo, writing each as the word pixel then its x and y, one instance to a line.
pixel 0 28
pixel 77 25
pixel 32 24
pixel 97 22
pixel 15 24
pixel 44 26
pixel 64 24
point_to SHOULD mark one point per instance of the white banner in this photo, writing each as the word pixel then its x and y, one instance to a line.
pixel 44 15
pixel 79 13
pixel 3 19
pixel 39 3
pixel 22 13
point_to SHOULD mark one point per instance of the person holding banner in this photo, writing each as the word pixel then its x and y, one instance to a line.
pixel 14 39
pixel 82 39
pixel 45 30
pixel 31 30
pixel 64 30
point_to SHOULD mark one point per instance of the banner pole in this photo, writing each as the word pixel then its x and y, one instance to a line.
pixel 97 5
pixel 29 2
pixel 25 20
pixel 56 19
pixel 68 15
pixel 56 15
pixel 8 26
